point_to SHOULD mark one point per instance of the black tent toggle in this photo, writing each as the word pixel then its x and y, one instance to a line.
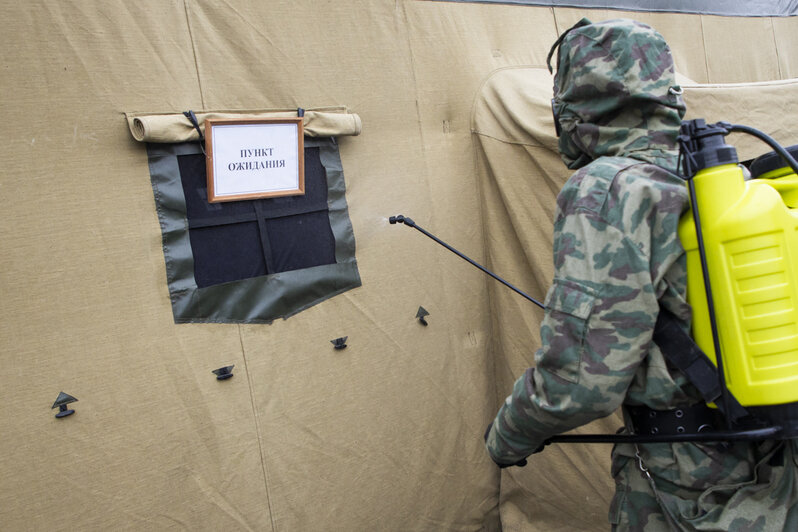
pixel 339 343
pixel 61 402
pixel 224 372
pixel 421 314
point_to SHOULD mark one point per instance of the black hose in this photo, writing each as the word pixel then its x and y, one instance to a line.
pixel 789 159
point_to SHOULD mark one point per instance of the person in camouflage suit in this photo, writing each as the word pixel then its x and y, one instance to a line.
pixel 617 260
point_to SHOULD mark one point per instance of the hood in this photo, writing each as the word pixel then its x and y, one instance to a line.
pixel 615 94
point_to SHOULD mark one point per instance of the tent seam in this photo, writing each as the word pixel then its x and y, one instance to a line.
pixel 257 430
pixel 556 24
pixel 413 72
pixel 194 53
pixel 776 46
pixel 704 42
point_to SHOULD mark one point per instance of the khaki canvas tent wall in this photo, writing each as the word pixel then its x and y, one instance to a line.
pixel 387 433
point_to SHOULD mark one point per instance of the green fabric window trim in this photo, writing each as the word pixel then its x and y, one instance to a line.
pixel 258 299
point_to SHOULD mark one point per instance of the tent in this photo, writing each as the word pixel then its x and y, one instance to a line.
pixel 436 110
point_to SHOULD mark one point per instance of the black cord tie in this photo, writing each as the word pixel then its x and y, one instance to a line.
pixel 193 119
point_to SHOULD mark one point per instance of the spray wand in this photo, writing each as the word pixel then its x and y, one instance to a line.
pixel 400 218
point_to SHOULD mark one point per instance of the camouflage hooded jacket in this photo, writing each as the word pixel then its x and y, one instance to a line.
pixel 617 259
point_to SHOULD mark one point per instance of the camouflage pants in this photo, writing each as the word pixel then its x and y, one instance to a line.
pixel 685 487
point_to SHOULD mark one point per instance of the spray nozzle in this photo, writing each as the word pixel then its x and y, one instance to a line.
pixel 402 219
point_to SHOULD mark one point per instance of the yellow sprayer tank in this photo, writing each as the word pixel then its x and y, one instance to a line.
pixel 750 232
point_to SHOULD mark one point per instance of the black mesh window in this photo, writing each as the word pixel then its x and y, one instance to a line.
pixel 243 239
pixel 257 260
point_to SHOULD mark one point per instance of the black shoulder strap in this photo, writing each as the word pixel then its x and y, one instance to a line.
pixel 681 350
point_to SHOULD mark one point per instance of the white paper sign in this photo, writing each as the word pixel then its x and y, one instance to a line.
pixel 250 159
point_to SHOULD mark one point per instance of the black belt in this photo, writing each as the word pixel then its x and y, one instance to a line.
pixel 686 420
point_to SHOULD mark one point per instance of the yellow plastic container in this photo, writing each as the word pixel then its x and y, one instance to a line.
pixel 750 232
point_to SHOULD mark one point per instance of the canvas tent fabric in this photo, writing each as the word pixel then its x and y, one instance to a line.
pixel 383 435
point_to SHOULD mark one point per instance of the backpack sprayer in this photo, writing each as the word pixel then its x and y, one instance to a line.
pixel 747 249
pixel 741 239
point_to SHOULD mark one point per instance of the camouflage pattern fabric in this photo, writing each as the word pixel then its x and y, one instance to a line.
pixel 612 92
pixel 617 258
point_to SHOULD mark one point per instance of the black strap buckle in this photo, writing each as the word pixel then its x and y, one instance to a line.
pixel 686 420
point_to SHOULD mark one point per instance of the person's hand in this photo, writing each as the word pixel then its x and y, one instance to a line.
pixel 520 463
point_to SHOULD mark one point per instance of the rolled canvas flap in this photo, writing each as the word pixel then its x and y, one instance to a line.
pixel 176 127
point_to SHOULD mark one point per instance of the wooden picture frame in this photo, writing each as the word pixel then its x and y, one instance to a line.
pixel 254 158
